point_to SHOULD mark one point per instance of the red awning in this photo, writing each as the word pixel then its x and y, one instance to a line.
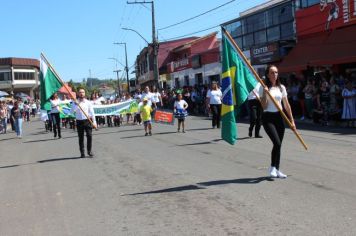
pixel 337 47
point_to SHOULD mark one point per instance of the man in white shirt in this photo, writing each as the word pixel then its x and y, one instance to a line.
pixel 83 124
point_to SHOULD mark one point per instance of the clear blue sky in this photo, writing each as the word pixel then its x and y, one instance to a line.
pixel 78 35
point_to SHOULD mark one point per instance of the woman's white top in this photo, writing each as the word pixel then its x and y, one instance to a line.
pixel 155 97
pixel 214 96
pixel 278 93
pixel 180 104
pixel 55 105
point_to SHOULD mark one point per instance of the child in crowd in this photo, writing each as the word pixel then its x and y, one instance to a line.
pixel 146 111
pixel 180 111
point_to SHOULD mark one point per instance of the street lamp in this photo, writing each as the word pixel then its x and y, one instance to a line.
pixel 117 75
pixel 136 33
pixel 126 67
pixel 155 54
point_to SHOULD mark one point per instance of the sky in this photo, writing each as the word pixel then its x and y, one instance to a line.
pixel 77 36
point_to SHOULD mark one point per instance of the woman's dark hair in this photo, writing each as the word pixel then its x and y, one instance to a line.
pixel 268 82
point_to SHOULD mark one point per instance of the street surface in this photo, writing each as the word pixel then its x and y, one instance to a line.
pixel 177 184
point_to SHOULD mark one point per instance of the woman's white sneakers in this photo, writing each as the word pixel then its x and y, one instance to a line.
pixel 274 173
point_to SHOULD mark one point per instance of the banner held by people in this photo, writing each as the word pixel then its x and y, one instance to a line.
pixel 237 82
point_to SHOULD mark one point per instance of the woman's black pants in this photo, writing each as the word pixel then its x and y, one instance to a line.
pixel 216 111
pixel 274 127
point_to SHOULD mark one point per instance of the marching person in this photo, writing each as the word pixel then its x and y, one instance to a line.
pixel 213 102
pixel 56 119
pixel 83 124
pixel 146 111
pixel 255 112
pixel 180 111
pixel 272 120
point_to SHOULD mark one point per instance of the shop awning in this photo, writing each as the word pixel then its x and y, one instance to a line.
pixel 337 47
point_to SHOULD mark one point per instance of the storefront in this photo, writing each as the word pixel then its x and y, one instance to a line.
pixel 195 63
pixel 265 33
pixel 326 38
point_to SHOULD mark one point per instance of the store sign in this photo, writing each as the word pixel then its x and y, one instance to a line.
pixel 265 54
pixel 181 64
pixel 329 14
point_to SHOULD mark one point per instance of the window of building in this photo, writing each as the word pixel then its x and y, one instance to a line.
pixel 285 13
pixel 287 30
pixel 248 40
pixel 260 37
pixel 239 42
pixel 308 3
pixel 273 34
pixel 186 80
pixel 24 76
pixel 5 76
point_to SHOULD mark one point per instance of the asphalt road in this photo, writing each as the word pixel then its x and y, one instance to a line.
pixel 177 184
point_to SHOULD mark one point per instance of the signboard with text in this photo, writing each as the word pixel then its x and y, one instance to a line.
pixel 265 54
pixel 164 117
pixel 327 15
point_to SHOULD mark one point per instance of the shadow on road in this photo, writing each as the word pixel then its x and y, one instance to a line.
pixel 59 159
pixel 203 185
pixel 143 136
pixel 5 139
pixel 43 161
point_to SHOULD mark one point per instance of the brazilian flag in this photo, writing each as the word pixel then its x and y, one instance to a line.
pixel 237 82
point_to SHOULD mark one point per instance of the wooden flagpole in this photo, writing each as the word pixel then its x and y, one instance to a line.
pixel 263 84
pixel 70 94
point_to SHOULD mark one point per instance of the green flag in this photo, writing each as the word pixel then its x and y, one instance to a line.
pixel 50 84
pixel 237 82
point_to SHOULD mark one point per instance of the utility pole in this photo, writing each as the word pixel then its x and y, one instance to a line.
pixel 154 41
pixel 118 82
pixel 126 68
pixel 91 81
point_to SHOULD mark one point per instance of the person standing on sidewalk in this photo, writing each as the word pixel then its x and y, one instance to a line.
pixel 3 116
pixel 255 108
pixel 83 124
pixel 272 119
pixel 16 116
pixel 213 102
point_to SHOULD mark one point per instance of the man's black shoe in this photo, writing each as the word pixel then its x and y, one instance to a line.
pixel 258 136
pixel 250 133
pixel 82 155
pixel 90 154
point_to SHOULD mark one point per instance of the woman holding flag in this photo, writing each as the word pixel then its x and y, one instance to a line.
pixel 272 119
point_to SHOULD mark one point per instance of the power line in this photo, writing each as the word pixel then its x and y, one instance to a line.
pixel 182 36
pixel 178 23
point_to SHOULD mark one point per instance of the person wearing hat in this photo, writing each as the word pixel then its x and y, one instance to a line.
pixel 146 111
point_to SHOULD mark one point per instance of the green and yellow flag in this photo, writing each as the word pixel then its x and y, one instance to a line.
pixel 50 84
pixel 237 82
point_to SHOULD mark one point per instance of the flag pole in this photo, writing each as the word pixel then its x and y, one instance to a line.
pixel 70 94
pixel 263 84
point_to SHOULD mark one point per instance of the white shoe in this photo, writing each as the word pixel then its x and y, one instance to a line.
pixel 281 175
pixel 273 172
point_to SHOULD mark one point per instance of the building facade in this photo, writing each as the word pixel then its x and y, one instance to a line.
pixel 265 33
pixel 144 63
pixel 20 75
pixel 196 62
pixel 326 33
